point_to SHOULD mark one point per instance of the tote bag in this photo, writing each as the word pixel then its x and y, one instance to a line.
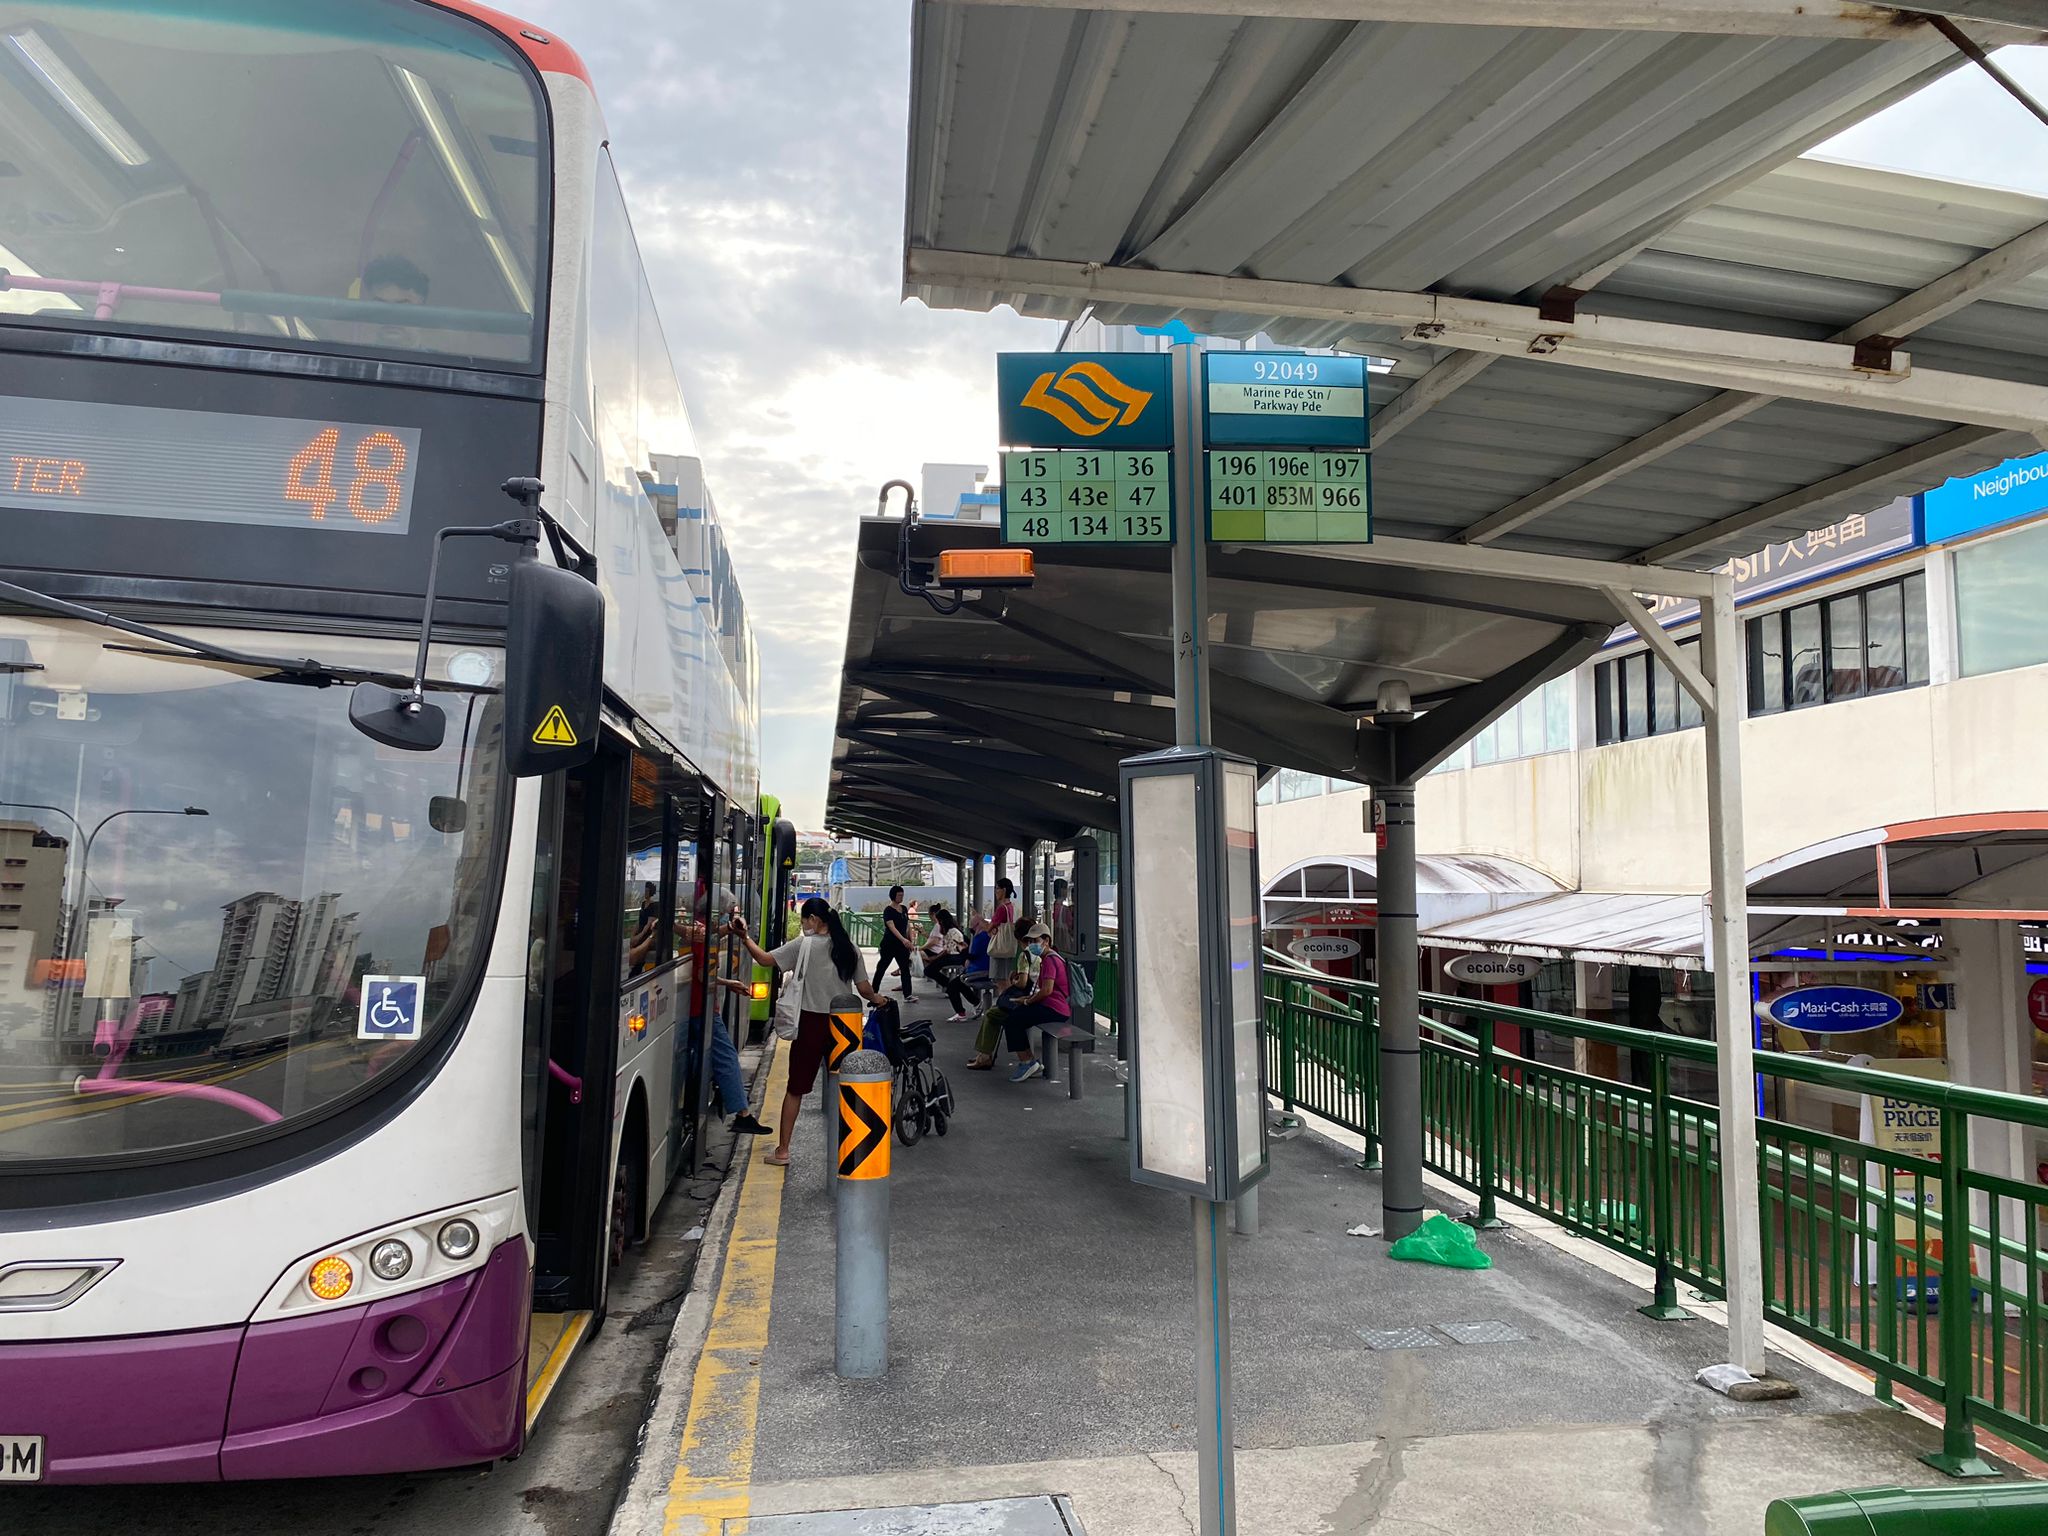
pixel 1002 941
pixel 789 1002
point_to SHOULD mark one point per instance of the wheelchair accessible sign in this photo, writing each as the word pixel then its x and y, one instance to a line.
pixel 392 1008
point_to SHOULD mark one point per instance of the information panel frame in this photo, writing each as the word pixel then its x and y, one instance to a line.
pixel 1287 456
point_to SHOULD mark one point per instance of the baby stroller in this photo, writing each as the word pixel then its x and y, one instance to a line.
pixel 924 1099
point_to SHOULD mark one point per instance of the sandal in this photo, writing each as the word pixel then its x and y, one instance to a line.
pixel 779 1159
pixel 982 1064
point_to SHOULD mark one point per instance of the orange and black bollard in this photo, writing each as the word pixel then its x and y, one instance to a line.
pixel 845 1023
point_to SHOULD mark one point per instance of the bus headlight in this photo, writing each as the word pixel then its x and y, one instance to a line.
pixel 457 1239
pixel 330 1278
pixel 390 1259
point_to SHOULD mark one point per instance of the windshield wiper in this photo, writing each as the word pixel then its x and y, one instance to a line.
pixel 302 670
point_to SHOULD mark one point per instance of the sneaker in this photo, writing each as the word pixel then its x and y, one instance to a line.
pixel 958 1018
pixel 1027 1070
pixel 747 1125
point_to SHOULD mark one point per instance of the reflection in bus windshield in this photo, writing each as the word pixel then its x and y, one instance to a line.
pixel 185 930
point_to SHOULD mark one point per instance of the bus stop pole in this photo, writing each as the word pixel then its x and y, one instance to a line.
pixel 1215 1412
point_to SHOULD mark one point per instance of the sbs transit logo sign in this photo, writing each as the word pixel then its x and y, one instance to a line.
pixel 1087 399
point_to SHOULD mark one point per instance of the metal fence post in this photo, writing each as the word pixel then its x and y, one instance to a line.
pixel 1368 1059
pixel 1484 1105
pixel 861 1260
pixel 1664 1303
pixel 1958 1454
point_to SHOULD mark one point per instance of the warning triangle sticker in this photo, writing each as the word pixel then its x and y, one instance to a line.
pixel 555 730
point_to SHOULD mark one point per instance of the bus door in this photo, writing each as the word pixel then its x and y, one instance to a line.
pixel 572 1007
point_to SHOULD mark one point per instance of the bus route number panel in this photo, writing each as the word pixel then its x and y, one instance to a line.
pixel 1289 496
pixel 1088 496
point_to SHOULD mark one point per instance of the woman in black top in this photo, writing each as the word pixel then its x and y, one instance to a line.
pixel 895 941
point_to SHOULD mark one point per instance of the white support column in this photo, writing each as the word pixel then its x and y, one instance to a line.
pixel 1728 923
pixel 1990 1046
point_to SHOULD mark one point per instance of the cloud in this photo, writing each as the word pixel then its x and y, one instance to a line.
pixel 761 148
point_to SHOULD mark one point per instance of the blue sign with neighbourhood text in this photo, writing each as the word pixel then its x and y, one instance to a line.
pixel 2015 489
pixel 1834 1010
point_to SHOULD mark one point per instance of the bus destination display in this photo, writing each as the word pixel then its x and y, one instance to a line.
pixel 1289 496
pixel 1088 496
pixel 100 460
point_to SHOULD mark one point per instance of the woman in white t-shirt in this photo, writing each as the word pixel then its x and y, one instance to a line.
pixel 831 967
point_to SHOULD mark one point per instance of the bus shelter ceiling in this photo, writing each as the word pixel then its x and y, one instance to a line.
pixel 1626 322
pixel 1002 725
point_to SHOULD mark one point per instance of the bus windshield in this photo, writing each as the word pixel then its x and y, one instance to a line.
pixel 357 176
pixel 222 908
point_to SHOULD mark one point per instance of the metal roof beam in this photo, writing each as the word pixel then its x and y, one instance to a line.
pixel 1430 738
pixel 2003 21
pixel 1013 830
pixel 1479 560
pixel 880 809
pixel 1826 373
pixel 1435 386
pixel 1320 737
pixel 1031 795
pixel 988 759
pixel 924 841
pixel 2018 258
pixel 1822 493
pixel 1023 713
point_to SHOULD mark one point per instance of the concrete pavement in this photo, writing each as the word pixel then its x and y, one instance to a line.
pixel 1042 1344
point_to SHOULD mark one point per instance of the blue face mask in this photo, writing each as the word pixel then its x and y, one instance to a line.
pixel 1038 946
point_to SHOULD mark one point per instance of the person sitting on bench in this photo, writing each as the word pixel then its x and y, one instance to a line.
pixel 1045 1004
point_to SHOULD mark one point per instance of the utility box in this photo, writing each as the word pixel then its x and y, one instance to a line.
pixel 1192 999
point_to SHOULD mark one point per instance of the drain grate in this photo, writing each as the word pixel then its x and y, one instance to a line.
pixel 1481 1333
pixel 1398 1338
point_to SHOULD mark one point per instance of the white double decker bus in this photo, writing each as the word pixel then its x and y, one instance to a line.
pixel 377 735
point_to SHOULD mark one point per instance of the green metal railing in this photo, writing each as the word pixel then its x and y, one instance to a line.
pixel 1858 1241
pixel 864 928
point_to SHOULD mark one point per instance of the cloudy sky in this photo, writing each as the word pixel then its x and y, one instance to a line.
pixel 762 149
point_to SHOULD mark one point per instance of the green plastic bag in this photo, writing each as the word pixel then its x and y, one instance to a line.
pixel 1441 1240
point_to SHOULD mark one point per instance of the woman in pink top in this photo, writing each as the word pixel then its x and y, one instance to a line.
pixel 1047 1003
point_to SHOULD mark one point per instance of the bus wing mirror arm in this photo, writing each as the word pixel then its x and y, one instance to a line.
pixel 402 717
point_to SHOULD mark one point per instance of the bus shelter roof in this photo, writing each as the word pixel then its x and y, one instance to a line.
pixel 1598 300
pixel 1632 335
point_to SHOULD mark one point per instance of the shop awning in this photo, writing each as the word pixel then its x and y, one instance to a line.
pixel 1993 865
pixel 1448 887
pixel 1602 927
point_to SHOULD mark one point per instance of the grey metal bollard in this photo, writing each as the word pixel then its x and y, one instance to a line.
pixel 861 1267
pixel 1244 1215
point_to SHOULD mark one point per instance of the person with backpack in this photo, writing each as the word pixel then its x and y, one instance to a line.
pixel 1048 1002
pixel 821 962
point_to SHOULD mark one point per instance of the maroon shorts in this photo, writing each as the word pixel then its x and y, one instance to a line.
pixel 807 1051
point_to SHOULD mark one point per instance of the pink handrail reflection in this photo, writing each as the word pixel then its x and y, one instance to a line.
pixel 252 1107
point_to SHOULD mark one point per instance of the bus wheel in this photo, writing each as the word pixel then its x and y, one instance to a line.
pixel 625 1205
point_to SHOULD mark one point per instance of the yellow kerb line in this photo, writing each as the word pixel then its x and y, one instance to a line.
pixel 715 1462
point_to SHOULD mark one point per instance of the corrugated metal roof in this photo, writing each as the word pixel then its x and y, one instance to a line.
pixel 1586 925
pixel 1495 163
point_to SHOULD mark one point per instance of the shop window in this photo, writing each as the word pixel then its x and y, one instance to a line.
pixel 1998 605
pixel 1296 785
pixel 1847 647
pixel 1539 722
pixel 1860 643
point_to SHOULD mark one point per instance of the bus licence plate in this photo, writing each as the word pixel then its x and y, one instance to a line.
pixel 21 1458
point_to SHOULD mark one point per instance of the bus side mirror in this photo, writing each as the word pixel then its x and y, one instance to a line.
pixel 554 669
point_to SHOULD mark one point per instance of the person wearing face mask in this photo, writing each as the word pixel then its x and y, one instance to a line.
pixel 831 966
pixel 1046 1004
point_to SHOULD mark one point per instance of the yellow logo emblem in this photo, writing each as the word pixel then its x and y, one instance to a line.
pixel 1087 399
pixel 555 730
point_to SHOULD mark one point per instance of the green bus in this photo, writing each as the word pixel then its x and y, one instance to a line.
pixel 775 922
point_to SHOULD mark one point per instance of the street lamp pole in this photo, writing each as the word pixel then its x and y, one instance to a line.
pixel 85 862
